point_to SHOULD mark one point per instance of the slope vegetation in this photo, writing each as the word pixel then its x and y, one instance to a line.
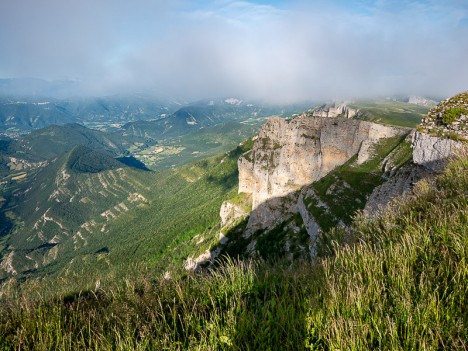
pixel 397 282
pixel 88 210
pixel 390 112
pixel 61 203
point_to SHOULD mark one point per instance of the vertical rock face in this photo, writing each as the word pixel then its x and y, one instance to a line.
pixel 229 212
pixel 334 110
pixel 432 152
pixel 290 154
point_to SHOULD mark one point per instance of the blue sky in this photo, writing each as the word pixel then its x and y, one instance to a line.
pixel 276 50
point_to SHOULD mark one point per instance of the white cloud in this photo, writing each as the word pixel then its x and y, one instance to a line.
pixel 242 48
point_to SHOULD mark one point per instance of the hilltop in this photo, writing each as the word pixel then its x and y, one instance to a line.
pixel 449 119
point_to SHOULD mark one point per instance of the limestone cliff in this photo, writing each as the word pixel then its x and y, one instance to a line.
pixel 333 110
pixel 432 152
pixel 279 177
pixel 308 175
pixel 290 154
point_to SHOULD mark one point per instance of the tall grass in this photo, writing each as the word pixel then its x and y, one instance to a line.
pixel 404 284
pixel 239 305
pixel 401 283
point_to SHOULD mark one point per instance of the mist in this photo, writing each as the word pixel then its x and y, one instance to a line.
pixel 278 51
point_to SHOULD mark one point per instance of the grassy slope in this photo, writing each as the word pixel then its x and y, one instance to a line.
pixel 391 112
pixel 401 283
pixel 345 189
pixel 404 283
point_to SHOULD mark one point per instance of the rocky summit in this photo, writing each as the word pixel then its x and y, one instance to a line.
pixel 332 110
pixel 449 119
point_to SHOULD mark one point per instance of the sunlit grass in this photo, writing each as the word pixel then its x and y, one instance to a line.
pixel 399 283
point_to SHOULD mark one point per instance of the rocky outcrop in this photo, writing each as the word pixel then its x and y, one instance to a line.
pixel 333 110
pixel 230 212
pixel 432 152
pixel 311 225
pixel 449 119
pixel 443 133
pixel 398 184
pixel 290 154
pixel 194 264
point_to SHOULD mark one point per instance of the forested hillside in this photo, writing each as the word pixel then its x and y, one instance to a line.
pixel 86 203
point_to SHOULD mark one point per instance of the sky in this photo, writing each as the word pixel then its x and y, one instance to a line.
pixel 275 50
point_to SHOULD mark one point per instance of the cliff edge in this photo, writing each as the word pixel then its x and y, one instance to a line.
pixel 289 154
pixel 305 176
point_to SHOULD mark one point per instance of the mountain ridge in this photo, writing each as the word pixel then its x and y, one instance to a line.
pixel 294 203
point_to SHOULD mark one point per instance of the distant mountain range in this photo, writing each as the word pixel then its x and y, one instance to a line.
pixel 139 115
pixel 28 104
pixel 207 113
pixel 24 114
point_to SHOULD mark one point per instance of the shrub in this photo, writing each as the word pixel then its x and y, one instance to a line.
pixel 452 114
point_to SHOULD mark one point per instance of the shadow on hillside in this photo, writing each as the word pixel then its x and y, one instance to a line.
pixel 286 236
pixel 272 313
pixel 227 182
pixel 293 219
pixel 132 162
pixel 273 307
pixel 6 224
